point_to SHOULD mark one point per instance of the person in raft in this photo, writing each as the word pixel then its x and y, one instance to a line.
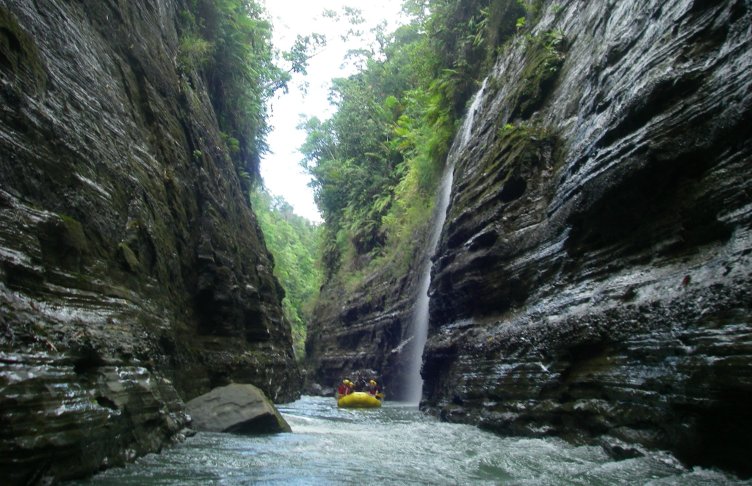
pixel 345 388
pixel 374 389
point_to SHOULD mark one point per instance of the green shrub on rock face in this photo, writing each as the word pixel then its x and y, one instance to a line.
pixel 545 56
pixel 194 53
pixel 228 43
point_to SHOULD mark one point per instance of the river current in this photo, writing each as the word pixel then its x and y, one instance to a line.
pixel 393 445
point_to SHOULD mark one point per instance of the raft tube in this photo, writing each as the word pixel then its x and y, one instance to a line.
pixel 358 400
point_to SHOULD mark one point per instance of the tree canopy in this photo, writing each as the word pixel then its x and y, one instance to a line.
pixel 228 43
pixel 294 243
pixel 376 162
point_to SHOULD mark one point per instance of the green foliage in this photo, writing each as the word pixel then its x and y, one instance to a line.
pixel 377 162
pixel 304 48
pixel 518 149
pixel 294 242
pixel 233 144
pixel 508 127
pixel 532 7
pixel 353 163
pixel 228 43
pixel 194 52
pixel 545 56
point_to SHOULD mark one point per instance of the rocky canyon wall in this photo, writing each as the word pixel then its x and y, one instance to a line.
pixel 366 328
pixel 593 278
pixel 133 275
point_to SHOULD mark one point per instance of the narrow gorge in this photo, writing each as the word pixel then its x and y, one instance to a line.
pixel 537 221
pixel 592 279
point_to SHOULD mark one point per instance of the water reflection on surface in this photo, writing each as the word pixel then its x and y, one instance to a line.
pixel 392 445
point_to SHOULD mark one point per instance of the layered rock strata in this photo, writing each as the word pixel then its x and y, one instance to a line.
pixel 133 274
pixel 366 331
pixel 594 275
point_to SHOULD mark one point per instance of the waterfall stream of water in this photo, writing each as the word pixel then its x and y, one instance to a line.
pixel 420 312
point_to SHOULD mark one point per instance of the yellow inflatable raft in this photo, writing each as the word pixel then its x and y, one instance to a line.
pixel 358 400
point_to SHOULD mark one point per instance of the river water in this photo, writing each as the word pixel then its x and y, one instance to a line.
pixel 394 445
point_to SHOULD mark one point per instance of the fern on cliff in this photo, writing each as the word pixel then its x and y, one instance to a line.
pixel 228 42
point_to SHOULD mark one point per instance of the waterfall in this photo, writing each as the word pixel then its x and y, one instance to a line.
pixel 420 312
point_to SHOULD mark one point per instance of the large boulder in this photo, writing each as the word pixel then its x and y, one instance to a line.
pixel 237 408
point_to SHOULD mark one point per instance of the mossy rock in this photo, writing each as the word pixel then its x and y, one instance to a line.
pixel 128 258
pixel 511 167
pixel 63 242
pixel 19 54
pixel 74 234
pixel 519 147
pixel 544 58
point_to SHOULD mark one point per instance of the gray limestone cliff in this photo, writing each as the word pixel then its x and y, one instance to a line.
pixel 594 274
pixel 366 329
pixel 133 275
pixel 593 277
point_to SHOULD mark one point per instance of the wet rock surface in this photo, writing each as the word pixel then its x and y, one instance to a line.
pixel 594 274
pixel 132 272
pixel 237 408
pixel 62 420
pixel 364 331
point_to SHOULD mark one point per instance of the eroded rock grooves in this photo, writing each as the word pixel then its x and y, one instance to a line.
pixel 133 275
pixel 593 278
